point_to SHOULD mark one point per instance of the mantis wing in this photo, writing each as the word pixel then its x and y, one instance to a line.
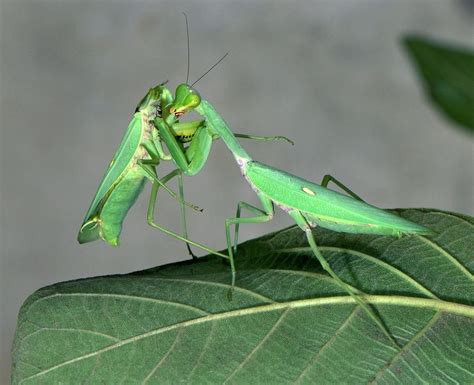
pixel 327 208
pixel 122 159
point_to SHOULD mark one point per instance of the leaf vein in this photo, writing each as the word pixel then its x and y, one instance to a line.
pixel 259 345
pixel 326 345
pixel 204 349
pixel 425 303
pixel 406 348
pixel 163 359
pixel 87 331
pixel 450 257
pixel 122 296
pixel 219 284
pixel 376 261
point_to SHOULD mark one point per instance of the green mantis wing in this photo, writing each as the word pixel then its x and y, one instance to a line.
pixel 122 160
pixel 324 207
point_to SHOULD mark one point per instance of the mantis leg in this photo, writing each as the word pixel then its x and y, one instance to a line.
pixel 181 200
pixel 192 159
pixel 252 209
pixel 183 213
pixel 151 215
pixel 156 153
pixel 158 146
pixel 329 178
pixel 264 138
pixel 155 149
pixel 265 215
pixel 148 167
pixel 303 224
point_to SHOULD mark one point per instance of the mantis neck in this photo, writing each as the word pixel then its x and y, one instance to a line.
pixel 219 127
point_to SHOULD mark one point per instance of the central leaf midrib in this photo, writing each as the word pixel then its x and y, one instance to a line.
pixel 434 304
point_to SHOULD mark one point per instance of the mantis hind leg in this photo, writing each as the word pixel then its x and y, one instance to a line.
pixel 303 224
pixel 329 178
pixel 264 215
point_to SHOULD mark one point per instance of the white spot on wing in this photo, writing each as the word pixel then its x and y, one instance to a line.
pixel 308 191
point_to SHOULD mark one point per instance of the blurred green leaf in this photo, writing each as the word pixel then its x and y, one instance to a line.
pixel 287 322
pixel 447 74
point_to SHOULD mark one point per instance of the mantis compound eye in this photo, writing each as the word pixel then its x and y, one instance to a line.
pixel 186 99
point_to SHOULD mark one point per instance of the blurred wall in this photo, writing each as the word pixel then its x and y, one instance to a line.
pixel 329 74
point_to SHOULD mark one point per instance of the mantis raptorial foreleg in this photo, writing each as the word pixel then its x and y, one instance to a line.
pixel 192 159
pixel 329 178
pixel 154 148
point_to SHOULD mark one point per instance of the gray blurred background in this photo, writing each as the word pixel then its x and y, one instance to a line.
pixel 329 74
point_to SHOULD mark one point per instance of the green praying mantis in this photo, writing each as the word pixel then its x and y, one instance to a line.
pixel 157 122
pixel 309 204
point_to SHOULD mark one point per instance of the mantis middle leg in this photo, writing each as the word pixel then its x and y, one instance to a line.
pixel 263 215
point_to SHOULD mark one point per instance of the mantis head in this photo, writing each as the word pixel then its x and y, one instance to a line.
pixel 186 99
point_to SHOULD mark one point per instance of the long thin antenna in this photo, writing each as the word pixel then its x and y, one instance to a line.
pixel 210 69
pixel 187 36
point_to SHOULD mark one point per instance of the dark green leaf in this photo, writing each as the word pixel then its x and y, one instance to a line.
pixel 287 322
pixel 447 72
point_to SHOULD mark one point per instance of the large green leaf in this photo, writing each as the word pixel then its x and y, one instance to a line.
pixel 287 322
pixel 447 73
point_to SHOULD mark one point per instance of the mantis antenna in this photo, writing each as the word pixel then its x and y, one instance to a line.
pixel 187 37
pixel 189 55
pixel 210 69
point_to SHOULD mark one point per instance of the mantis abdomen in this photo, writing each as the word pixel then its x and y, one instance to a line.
pixel 324 207
pixel 118 204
